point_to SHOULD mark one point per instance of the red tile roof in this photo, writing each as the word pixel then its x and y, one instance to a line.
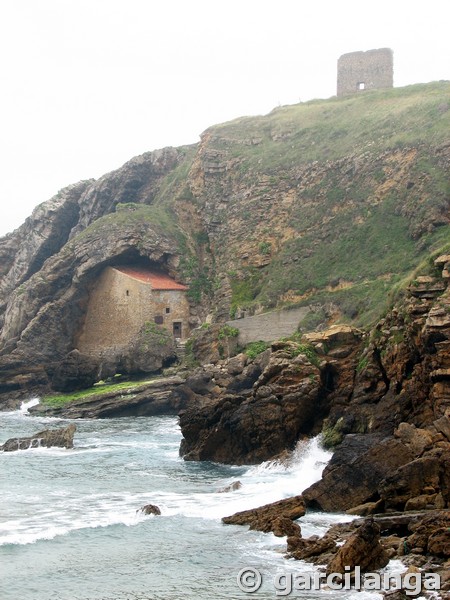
pixel 157 279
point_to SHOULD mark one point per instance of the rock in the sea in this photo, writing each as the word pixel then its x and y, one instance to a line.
pixel 236 485
pixel 277 517
pixel 159 396
pixel 48 438
pixel 150 509
pixel 355 472
pixel 362 549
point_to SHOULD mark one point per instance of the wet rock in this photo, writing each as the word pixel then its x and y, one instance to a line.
pixel 236 485
pixel 277 517
pixel 284 526
pixel 362 549
pixel 62 438
pixel 261 413
pixel 150 509
pixel 354 474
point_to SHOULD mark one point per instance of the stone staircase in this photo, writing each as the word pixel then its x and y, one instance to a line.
pixel 181 350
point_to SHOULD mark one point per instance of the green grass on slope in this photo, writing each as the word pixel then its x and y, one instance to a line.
pixel 329 129
pixel 96 391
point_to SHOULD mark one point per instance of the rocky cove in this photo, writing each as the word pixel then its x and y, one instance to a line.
pixel 359 237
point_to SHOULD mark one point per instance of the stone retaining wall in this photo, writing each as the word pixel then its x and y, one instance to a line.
pixel 269 326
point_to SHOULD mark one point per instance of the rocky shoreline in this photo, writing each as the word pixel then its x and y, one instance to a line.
pixel 420 539
pixel 380 400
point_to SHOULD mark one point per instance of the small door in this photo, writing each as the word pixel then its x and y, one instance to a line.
pixel 177 329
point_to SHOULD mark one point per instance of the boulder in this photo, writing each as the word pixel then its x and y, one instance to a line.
pixel 443 426
pixel 48 438
pixel 150 509
pixel 152 349
pixel 368 508
pixel 236 364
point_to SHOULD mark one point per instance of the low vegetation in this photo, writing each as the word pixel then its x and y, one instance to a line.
pixel 253 349
pixel 368 192
pixel 97 390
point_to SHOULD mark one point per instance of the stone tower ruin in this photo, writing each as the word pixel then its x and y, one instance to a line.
pixel 371 70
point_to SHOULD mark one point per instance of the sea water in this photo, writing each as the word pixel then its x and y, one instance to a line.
pixel 71 528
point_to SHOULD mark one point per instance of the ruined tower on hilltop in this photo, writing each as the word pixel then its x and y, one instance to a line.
pixel 371 70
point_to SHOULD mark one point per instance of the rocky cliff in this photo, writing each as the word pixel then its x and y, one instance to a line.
pixel 381 400
pixel 328 203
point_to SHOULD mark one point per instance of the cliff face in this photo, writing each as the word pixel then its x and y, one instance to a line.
pixel 48 268
pixel 329 203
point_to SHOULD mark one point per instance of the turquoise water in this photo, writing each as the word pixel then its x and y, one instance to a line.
pixel 69 529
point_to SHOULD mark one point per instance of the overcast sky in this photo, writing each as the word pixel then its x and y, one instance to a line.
pixel 88 84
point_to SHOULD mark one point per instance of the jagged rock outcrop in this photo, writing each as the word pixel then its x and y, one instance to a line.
pixel 276 517
pixel 138 181
pixel 62 438
pixel 275 400
pixel 24 251
pixel 251 425
pixel 401 396
pixel 354 474
pixel 362 549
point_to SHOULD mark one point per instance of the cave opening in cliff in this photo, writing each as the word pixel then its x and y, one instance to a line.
pixel 132 258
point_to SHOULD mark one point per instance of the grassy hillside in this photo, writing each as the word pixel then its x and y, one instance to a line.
pixel 329 129
pixel 330 201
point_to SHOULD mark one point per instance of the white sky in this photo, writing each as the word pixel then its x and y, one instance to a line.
pixel 88 84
